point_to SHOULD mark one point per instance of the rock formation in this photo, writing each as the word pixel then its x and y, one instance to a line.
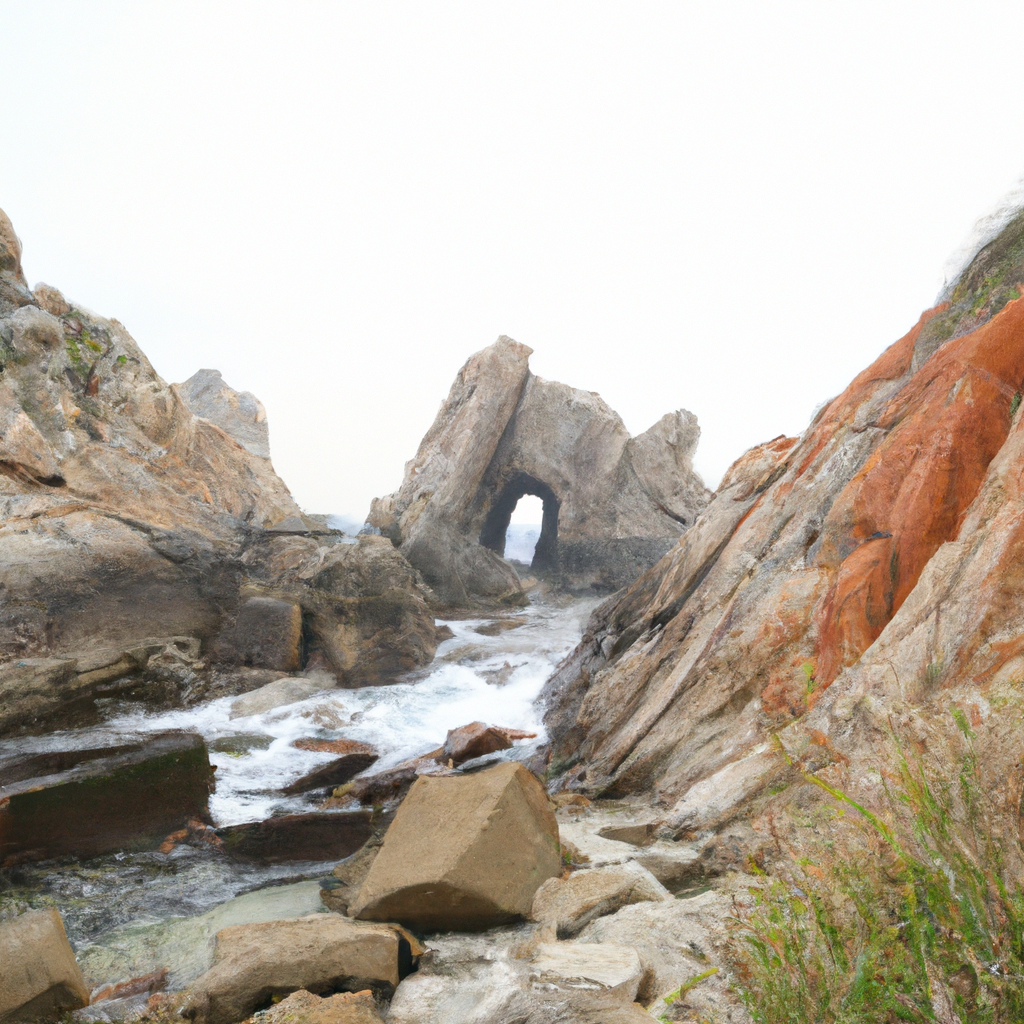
pixel 133 512
pixel 612 504
pixel 842 591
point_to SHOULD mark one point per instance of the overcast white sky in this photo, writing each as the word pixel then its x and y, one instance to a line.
pixel 727 207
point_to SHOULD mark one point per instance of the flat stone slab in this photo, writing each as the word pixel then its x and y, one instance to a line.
pixel 292 837
pixel 131 799
pixel 334 773
pixel 588 965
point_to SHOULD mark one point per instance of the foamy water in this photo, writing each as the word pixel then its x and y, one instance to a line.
pixel 474 677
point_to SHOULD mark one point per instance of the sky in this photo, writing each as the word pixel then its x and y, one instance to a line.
pixel 730 208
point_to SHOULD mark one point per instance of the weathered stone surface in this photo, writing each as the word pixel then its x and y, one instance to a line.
pixel 613 504
pixel 131 799
pixel 586 964
pixel 334 773
pixel 238 413
pixel 476 739
pixel 39 977
pixel 323 952
pixel 304 1007
pixel 464 852
pixel 288 837
pixel 571 904
pixel 265 633
pixel 126 514
pixel 840 597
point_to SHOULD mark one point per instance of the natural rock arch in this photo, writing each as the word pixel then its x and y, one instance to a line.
pixel 614 504
pixel 492 536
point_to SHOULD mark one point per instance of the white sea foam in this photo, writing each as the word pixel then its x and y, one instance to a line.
pixel 494 679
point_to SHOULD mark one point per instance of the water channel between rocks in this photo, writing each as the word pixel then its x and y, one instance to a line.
pixel 127 912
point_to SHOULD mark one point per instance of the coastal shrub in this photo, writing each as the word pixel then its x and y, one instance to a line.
pixel 917 921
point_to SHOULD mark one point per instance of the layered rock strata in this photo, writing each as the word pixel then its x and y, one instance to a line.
pixel 844 589
pixel 131 509
pixel 613 504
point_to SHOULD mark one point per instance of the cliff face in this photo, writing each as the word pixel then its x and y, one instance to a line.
pixel 131 508
pixel 613 504
pixel 876 556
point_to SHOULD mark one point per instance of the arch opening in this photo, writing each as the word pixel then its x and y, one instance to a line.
pixel 495 529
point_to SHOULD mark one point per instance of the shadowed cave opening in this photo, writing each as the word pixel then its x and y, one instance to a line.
pixel 492 536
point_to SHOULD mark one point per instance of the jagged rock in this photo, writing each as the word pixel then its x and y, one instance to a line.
pixel 840 592
pixel 289 837
pixel 126 512
pixel 40 978
pixel 571 904
pixel 97 801
pixel 323 952
pixel 464 852
pixel 612 504
pixel 238 413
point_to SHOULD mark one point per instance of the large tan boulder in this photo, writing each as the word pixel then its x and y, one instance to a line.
pixel 463 853
pixel 320 953
pixel 39 977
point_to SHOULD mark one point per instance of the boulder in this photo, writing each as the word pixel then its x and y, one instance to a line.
pixel 297 837
pixel 39 977
pixel 570 904
pixel 278 694
pixel 266 633
pixel 320 953
pixel 121 798
pixel 477 739
pixel 464 852
pixel 612 504
pixel 586 965
pixel 304 1007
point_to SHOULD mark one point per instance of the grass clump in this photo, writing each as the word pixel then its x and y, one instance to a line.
pixel 913 919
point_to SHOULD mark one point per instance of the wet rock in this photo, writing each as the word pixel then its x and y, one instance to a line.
pixel 464 852
pixel 288 837
pixel 394 783
pixel 476 739
pixel 612 504
pixel 333 746
pixel 584 965
pixel 266 633
pixel 336 772
pixel 635 835
pixel 278 694
pixel 321 953
pixel 39 977
pixel 304 1007
pixel 130 800
pixel 570 904
pixel 155 981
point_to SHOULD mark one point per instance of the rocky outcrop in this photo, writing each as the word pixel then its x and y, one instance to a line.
pixel 40 977
pixel 131 509
pixel 238 413
pixel 841 591
pixel 612 504
pixel 464 852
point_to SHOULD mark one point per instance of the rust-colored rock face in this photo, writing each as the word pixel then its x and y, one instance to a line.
pixel 812 553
